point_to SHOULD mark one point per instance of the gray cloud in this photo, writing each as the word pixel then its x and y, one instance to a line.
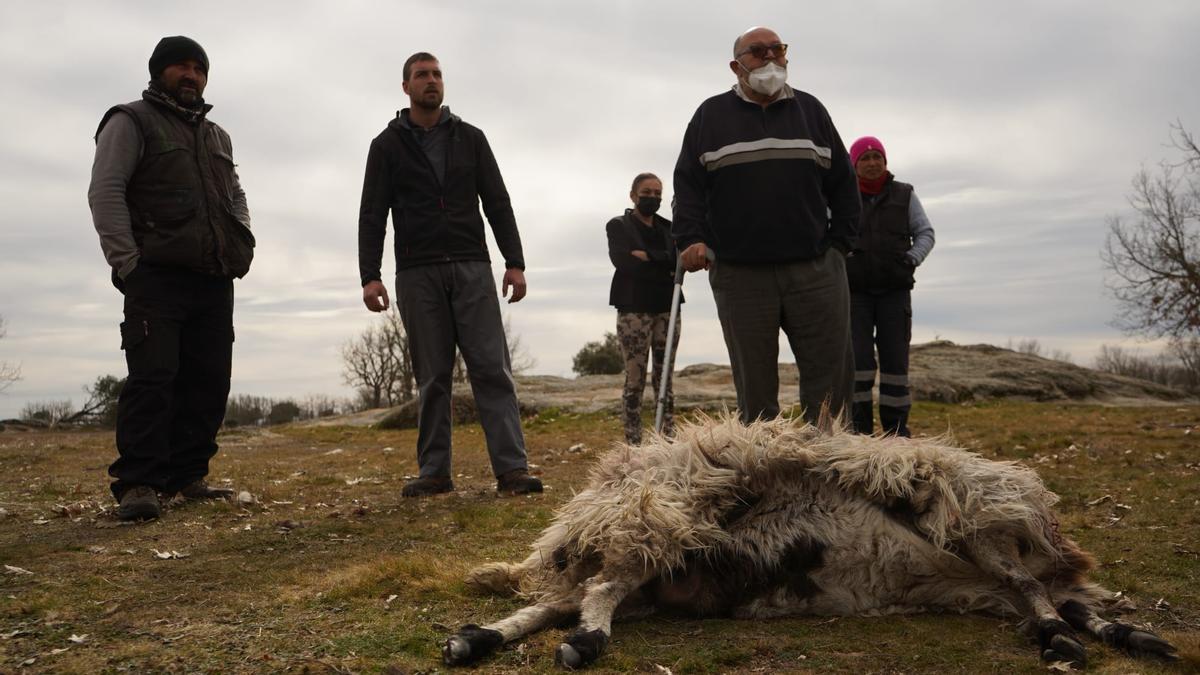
pixel 1020 125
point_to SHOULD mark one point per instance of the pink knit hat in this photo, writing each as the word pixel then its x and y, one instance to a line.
pixel 864 144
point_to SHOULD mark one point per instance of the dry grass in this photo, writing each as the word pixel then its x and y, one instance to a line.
pixel 333 572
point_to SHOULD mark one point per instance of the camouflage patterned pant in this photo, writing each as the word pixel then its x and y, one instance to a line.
pixel 640 333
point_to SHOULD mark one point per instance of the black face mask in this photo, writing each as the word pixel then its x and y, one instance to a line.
pixel 648 206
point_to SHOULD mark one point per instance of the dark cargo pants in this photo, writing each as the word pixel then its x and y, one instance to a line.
pixel 883 322
pixel 451 304
pixel 810 301
pixel 178 343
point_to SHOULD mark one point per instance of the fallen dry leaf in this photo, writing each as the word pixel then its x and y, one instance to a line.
pixel 78 639
pixel 16 570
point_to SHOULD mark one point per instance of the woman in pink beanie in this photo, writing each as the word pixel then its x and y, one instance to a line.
pixel 895 236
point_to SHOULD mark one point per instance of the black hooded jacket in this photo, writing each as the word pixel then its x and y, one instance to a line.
pixel 435 220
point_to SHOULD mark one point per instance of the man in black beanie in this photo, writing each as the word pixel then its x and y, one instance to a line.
pixel 173 224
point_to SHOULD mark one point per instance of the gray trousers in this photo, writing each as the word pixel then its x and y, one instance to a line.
pixel 445 305
pixel 810 301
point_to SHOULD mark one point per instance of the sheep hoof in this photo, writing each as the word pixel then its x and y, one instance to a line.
pixel 1145 643
pixel 1059 644
pixel 469 645
pixel 567 657
pixel 456 651
pixel 581 648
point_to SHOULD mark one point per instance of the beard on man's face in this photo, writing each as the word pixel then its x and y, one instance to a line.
pixel 430 99
pixel 185 91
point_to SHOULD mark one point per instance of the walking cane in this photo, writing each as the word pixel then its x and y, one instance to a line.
pixel 666 364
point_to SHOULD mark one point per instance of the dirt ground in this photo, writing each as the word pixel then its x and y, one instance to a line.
pixel 330 570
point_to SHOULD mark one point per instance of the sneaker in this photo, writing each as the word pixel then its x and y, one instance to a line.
pixel 201 490
pixel 138 503
pixel 518 482
pixel 427 485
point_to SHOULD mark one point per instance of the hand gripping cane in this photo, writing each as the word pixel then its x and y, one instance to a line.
pixel 666 364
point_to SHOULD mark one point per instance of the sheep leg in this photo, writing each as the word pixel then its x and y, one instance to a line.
pixel 472 642
pixel 997 556
pixel 1116 634
pixel 603 593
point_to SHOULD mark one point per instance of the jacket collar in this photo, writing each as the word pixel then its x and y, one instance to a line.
pixel 402 118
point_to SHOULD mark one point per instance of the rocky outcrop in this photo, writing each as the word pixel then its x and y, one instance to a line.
pixel 939 371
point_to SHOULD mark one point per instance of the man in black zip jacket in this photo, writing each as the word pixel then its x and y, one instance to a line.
pixel 432 170
pixel 764 181
pixel 174 227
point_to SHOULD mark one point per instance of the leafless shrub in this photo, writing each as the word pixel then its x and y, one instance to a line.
pixel 9 373
pixel 1033 347
pixel 47 412
pixel 1177 366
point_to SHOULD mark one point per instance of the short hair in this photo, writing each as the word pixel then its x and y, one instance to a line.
pixel 641 177
pixel 419 56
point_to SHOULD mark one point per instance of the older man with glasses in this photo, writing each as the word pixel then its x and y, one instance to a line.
pixel 764 181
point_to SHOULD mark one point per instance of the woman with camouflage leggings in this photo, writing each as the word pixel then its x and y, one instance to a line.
pixel 643 253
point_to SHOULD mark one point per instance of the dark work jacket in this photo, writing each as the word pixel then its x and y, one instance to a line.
pixel 884 237
pixel 181 196
pixel 435 220
pixel 637 285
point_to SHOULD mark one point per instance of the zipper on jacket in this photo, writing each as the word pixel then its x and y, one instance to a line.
pixel 205 182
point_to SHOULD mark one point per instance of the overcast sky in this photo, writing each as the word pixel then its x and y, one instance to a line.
pixel 1019 123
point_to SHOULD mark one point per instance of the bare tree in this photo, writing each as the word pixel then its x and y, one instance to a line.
pixel 522 361
pixel 406 378
pixel 1155 261
pixel 319 405
pixel 377 362
pixel 8 373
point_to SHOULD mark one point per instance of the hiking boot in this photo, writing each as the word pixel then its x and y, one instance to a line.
pixel 518 482
pixel 427 485
pixel 138 503
pixel 201 490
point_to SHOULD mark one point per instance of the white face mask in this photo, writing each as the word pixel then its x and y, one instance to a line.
pixel 768 79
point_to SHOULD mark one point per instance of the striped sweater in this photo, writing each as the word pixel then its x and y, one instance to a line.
pixel 764 185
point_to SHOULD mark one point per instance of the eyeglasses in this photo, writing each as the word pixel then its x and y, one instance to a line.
pixel 760 51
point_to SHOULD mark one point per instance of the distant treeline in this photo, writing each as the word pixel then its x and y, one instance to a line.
pixel 246 410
